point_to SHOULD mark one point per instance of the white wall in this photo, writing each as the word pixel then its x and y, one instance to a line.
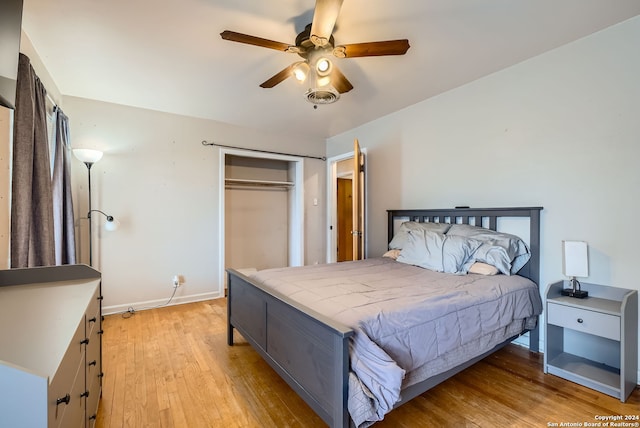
pixel 162 184
pixel 561 131
pixel 27 48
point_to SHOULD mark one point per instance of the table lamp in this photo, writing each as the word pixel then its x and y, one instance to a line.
pixel 575 263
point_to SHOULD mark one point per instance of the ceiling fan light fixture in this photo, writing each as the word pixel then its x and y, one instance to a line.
pixel 323 81
pixel 316 46
pixel 323 66
pixel 301 71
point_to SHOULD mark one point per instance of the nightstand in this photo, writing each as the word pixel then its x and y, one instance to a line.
pixel 593 341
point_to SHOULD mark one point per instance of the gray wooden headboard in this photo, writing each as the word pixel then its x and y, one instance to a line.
pixel 485 217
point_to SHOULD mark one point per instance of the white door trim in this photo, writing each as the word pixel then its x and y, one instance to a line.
pixel 332 202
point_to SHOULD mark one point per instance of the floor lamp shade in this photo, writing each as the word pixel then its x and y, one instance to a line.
pixel 575 259
pixel 88 155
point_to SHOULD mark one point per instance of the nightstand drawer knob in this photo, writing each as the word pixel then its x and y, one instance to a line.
pixel 580 320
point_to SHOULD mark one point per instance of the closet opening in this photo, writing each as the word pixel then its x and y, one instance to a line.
pixel 261 211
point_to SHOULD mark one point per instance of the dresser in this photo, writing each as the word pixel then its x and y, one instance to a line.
pixel 593 341
pixel 50 347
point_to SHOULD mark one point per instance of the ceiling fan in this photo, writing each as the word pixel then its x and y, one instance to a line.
pixel 316 46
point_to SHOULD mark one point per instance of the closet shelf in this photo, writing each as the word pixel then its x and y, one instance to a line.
pixel 266 183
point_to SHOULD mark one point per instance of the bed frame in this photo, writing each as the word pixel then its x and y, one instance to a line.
pixel 311 352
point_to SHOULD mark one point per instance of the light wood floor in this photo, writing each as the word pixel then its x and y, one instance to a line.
pixel 171 367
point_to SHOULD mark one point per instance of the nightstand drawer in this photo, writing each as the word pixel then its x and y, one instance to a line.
pixel 584 320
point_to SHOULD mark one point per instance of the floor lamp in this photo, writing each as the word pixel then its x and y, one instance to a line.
pixel 89 157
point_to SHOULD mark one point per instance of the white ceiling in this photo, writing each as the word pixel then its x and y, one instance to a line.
pixel 167 55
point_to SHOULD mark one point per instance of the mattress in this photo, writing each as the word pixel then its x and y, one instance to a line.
pixel 410 323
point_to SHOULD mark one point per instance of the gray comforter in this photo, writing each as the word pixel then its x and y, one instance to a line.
pixel 410 323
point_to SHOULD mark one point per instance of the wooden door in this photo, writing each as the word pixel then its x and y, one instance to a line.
pixel 345 220
pixel 358 202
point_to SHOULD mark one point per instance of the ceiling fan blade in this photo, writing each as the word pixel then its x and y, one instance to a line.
pixel 389 47
pixel 339 81
pixel 273 81
pixel 253 40
pixel 324 19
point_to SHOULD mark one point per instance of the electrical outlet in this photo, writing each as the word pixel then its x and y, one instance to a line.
pixel 176 281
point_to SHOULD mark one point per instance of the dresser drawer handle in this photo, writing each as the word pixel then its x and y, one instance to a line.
pixel 94 319
pixel 85 394
pixel 92 417
pixel 580 320
pixel 85 341
pixel 64 400
pixel 92 363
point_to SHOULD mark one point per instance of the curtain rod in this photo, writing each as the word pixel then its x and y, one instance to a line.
pixel 207 143
pixel 52 100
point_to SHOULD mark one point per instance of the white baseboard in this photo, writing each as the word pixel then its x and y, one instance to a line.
pixel 524 342
pixel 158 303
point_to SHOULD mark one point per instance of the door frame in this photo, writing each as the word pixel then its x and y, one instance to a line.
pixel 332 202
pixel 296 205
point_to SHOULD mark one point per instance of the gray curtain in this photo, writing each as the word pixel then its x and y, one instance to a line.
pixel 32 238
pixel 63 221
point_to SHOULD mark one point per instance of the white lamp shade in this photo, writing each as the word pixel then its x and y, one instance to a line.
pixel 300 71
pixel 88 155
pixel 112 225
pixel 575 259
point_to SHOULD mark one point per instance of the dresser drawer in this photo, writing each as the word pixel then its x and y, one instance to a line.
pixel 584 320
pixel 93 313
pixel 92 403
pixel 62 382
pixel 69 381
pixel 93 359
pixel 72 415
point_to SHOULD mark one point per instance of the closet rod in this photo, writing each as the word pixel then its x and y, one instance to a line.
pixel 206 143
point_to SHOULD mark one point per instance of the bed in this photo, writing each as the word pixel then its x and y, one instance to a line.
pixel 326 353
